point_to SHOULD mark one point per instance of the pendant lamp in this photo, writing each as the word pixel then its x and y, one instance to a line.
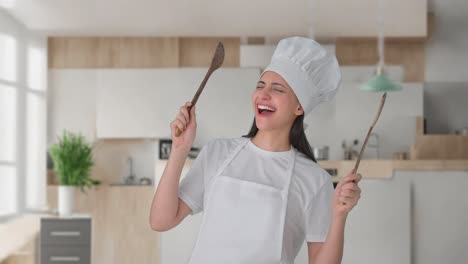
pixel 379 82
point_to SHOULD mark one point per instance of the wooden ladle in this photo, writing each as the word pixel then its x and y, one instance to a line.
pixel 216 62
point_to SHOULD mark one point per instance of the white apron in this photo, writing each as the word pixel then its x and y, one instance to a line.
pixel 243 222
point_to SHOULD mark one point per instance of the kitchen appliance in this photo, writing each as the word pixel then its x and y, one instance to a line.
pixel 320 153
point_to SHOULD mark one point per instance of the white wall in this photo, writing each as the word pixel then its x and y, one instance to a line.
pixel 222 17
pixel 335 18
pixel 446 51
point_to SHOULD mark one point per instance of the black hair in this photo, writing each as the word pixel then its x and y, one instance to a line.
pixel 297 136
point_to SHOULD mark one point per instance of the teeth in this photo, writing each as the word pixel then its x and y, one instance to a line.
pixel 264 107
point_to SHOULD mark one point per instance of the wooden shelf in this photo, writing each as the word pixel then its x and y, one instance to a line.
pixel 384 169
pixel 435 147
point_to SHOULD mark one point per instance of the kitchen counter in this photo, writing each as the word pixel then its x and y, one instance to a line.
pixel 128 185
pixel 380 169
pixel 385 168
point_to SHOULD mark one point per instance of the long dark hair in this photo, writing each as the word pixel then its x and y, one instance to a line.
pixel 297 136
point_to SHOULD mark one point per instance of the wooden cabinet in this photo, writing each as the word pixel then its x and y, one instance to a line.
pixel 121 229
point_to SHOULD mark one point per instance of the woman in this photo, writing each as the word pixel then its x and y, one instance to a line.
pixel 262 194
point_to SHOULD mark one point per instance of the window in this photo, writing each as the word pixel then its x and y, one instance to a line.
pixel 35 151
pixel 23 98
pixel 8 56
pixel 8 126
pixel 6 3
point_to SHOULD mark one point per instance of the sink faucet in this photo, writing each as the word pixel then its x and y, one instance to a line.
pixel 376 144
pixel 130 179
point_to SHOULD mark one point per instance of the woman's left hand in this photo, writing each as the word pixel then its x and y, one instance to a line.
pixel 347 194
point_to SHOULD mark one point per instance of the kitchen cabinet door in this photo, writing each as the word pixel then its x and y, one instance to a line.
pixel 71 102
pixel 126 103
pixel 142 103
pixel 378 228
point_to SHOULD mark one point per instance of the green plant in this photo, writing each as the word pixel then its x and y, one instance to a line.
pixel 73 160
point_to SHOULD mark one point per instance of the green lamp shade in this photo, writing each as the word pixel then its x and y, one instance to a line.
pixel 380 83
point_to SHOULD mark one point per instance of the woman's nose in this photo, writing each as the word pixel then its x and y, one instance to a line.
pixel 266 93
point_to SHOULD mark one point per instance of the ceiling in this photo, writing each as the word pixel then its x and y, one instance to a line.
pixel 269 18
pixel 161 17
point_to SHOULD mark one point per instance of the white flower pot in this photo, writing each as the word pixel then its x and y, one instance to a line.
pixel 65 200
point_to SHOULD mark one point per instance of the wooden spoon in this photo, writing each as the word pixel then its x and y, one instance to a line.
pixel 382 102
pixel 216 62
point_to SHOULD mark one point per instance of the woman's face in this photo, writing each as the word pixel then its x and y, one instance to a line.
pixel 275 103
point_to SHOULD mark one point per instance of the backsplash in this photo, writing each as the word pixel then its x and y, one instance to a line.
pixel 111 160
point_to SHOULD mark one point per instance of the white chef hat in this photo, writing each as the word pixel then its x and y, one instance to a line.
pixel 311 71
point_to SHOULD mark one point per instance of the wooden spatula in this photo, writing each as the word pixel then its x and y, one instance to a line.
pixel 216 62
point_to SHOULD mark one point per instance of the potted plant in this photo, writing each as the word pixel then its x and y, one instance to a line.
pixel 73 160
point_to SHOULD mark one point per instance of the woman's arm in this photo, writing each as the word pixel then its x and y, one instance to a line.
pixel 345 197
pixel 167 209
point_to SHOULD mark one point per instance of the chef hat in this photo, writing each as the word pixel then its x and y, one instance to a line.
pixel 312 72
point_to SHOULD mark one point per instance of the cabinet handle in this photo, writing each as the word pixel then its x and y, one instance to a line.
pixel 61 258
pixel 65 233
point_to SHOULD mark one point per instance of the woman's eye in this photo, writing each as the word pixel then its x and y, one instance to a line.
pixel 279 90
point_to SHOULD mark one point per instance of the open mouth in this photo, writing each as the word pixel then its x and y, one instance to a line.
pixel 265 109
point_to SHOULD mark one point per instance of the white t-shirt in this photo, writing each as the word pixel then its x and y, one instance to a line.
pixel 308 214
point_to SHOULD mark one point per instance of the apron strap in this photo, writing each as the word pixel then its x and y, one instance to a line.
pixel 290 170
pixel 231 156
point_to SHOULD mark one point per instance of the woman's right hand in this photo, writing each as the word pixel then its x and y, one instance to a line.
pixel 186 122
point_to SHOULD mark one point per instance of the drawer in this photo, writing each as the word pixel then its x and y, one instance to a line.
pixel 65 231
pixel 65 255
